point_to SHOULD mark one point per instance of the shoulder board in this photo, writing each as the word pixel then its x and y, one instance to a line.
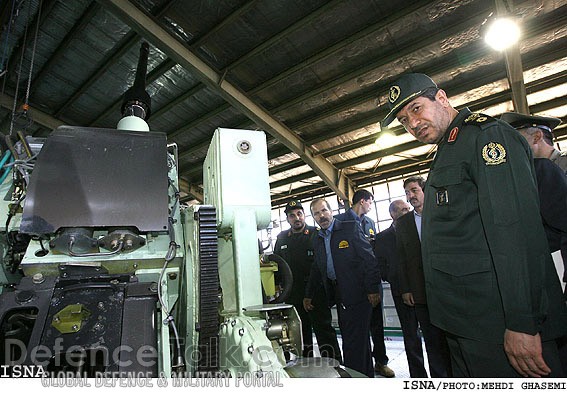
pixel 479 119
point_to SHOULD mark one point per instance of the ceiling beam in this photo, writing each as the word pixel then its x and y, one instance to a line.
pixel 154 33
pixel 279 36
pixel 37 115
pixel 534 86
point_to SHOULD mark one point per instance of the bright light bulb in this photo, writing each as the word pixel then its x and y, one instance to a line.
pixel 385 140
pixel 502 34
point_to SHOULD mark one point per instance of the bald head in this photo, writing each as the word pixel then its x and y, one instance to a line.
pixel 398 208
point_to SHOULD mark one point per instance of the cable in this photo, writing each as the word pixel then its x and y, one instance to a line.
pixel 4 55
pixel 170 255
pixel 26 101
pixel 19 73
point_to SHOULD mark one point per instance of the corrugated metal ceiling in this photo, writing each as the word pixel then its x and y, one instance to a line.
pixel 321 68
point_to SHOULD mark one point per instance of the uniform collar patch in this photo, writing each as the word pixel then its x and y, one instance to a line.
pixel 493 154
pixel 453 135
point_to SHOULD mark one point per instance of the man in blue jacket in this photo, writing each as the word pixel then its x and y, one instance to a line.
pixel 345 264
pixel 362 201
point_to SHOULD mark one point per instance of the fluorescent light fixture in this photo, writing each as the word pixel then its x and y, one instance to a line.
pixel 502 33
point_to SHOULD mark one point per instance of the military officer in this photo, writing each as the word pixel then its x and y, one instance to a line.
pixel 295 246
pixel 538 130
pixel 490 281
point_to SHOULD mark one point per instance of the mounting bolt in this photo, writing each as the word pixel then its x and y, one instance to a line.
pixel 241 332
pixel 172 275
pixel 38 278
pixel 244 147
pixel 75 327
pixel 250 349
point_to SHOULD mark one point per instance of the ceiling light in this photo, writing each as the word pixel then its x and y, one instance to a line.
pixel 502 33
pixel 386 139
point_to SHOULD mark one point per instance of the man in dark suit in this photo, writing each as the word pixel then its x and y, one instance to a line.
pixel 346 265
pixel 362 202
pixel 412 280
pixel 295 246
pixel 387 257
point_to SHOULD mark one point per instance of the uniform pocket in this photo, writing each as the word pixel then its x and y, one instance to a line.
pixel 463 284
pixel 504 207
pixel 446 183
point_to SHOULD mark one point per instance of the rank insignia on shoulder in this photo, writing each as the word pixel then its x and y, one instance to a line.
pixel 493 154
pixel 343 244
pixel 478 118
pixel 453 134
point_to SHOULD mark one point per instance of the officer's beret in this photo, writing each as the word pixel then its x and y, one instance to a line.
pixel 293 204
pixel 405 89
pixel 521 121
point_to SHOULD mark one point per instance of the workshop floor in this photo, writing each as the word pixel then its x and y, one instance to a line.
pixel 396 354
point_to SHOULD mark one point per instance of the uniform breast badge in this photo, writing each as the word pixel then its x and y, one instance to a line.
pixel 493 154
pixel 343 245
pixel 442 197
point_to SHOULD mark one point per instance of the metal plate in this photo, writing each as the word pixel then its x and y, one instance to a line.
pixel 87 177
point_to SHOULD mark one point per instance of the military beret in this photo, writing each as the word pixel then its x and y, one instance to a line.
pixel 521 121
pixel 405 89
pixel 293 204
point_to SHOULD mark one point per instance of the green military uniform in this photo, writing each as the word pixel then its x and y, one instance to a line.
pixel 485 256
pixel 297 250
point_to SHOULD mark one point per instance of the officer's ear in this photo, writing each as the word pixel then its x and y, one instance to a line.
pixel 537 136
pixel 441 96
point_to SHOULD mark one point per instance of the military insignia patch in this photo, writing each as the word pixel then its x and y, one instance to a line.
pixel 442 197
pixel 478 118
pixel 394 93
pixel 343 244
pixel 493 154
pixel 471 118
pixel 453 134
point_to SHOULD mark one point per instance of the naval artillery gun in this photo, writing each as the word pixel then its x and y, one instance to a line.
pixel 118 278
